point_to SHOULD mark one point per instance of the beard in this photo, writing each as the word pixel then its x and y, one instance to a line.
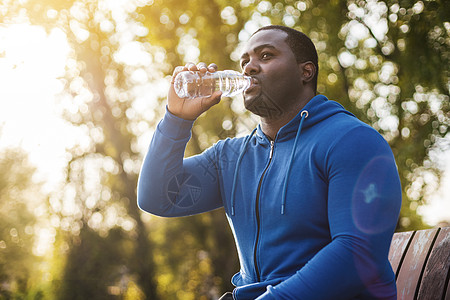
pixel 264 106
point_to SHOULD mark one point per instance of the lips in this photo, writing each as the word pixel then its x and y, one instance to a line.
pixel 254 85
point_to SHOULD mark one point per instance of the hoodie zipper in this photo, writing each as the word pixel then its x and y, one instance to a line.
pixel 258 276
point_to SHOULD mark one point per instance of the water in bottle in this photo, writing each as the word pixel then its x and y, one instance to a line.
pixel 189 84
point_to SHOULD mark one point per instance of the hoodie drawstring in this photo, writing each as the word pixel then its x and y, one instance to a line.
pixel 304 115
pixel 236 170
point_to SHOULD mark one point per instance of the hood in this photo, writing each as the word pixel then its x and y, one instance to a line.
pixel 317 109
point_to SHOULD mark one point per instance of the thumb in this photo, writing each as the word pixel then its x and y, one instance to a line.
pixel 212 100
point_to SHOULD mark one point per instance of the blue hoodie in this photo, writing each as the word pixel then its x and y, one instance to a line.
pixel 312 212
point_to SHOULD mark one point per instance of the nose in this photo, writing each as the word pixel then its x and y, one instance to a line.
pixel 251 68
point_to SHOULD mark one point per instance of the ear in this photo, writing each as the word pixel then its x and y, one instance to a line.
pixel 308 70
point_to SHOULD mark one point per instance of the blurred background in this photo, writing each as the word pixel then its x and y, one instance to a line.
pixel 82 87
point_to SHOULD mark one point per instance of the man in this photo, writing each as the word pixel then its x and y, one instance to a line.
pixel 312 195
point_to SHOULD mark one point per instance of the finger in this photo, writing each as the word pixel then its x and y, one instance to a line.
pixel 207 102
pixel 212 67
pixel 176 71
pixel 215 97
pixel 202 67
pixel 191 67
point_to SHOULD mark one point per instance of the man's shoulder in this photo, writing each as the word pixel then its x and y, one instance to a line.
pixel 341 124
pixel 230 143
pixel 349 130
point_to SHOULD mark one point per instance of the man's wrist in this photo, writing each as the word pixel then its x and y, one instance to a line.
pixel 179 116
pixel 175 127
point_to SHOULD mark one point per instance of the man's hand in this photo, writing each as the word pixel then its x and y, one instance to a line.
pixel 191 109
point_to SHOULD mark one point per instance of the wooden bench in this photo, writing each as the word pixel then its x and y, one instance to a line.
pixel 421 262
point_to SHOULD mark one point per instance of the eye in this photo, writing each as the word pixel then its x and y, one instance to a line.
pixel 266 55
pixel 243 63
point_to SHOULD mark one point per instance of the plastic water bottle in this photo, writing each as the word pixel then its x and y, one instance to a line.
pixel 190 85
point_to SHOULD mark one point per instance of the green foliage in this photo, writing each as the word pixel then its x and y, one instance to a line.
pixel 96 266
pixel 17 226
pixel 386 61
pixel 195 256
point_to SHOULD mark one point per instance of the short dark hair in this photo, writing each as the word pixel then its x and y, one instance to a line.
pixel 300 44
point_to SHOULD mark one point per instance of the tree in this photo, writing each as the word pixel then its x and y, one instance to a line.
pixel 367 51
pixel 19 196
pixel 99 197
pixel 116 79
pixel 110 154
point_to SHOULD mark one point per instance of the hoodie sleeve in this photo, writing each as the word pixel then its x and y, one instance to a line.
pixel 364 199
pixel 170 185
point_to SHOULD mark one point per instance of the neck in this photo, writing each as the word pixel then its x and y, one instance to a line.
pixel 271 126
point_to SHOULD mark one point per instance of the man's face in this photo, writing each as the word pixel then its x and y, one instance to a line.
pixel 276 74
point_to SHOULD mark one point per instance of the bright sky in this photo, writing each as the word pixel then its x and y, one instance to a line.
pixel 30 64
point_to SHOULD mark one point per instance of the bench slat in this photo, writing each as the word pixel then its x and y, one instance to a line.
pixel 438 264
pixel 412 266
pixel 398 245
